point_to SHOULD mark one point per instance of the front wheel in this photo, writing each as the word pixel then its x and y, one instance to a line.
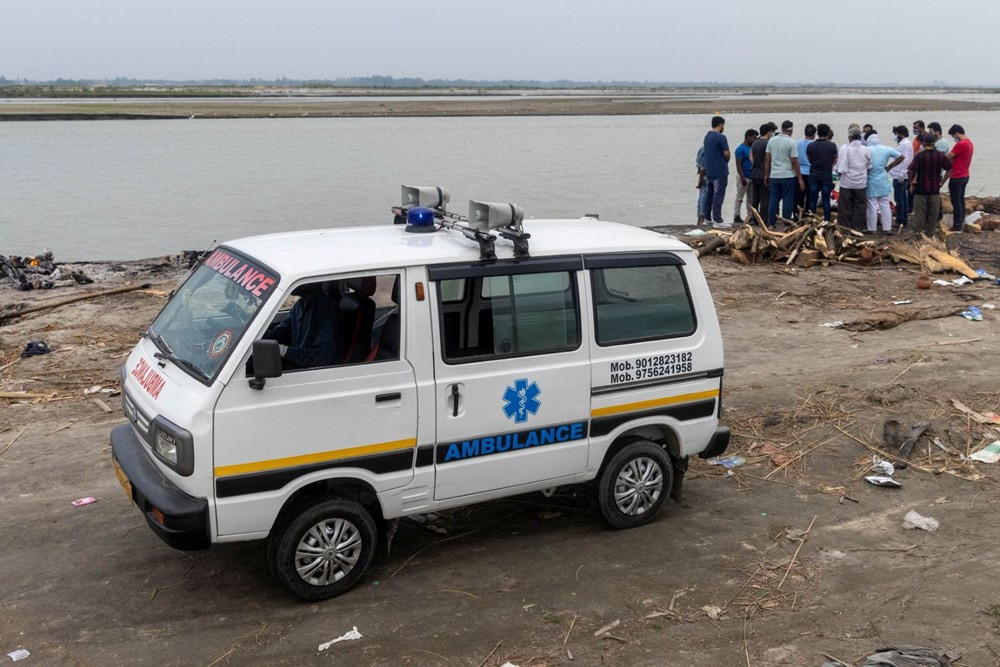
pixel 323 549
pixel 634 485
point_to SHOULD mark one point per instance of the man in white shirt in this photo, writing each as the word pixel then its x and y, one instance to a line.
pixel 853 163
pixel 901 177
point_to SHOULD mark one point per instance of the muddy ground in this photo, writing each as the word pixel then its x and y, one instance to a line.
pixel 531 579
pixel 597 105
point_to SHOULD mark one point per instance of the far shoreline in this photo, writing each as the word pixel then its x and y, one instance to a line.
pixel 461 106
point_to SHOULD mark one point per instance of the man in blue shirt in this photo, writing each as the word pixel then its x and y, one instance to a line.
pixel 801 195
pixel 744 172
pixel 716 172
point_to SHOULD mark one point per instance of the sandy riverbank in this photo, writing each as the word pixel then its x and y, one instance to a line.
pixel 92 585
pixel 605 105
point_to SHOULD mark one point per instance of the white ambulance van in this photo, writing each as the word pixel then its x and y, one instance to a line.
pixel 307 387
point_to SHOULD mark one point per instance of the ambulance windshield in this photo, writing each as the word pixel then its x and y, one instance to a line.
pixel 205 318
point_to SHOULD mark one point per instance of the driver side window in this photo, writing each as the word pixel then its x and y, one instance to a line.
pixel 329 323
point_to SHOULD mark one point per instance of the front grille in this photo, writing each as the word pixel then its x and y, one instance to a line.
pixel 135 415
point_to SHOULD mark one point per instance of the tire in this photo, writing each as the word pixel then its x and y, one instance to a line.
pixel 323 548
pixel 634 485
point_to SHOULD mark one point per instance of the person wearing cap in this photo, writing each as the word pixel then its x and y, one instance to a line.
pixel 744 174
pixel 853 163
pixel 960 157
pixel 716 172
pixel 879 186
pixel 781 167
pixel 901 177
pixel 926 181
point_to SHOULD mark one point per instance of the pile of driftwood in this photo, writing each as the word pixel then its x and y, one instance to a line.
pixel 817 242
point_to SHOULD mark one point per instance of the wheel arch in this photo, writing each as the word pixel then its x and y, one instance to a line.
pixel 347 487
pixel 658 432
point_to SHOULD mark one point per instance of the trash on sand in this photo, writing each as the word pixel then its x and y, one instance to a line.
pixel 609 627
pixel 914 520
pixel 989 306
pixel 943 283
pixel 882 466
pixel 992 416
pixel 92 390
pixel 988 454
pixel 35 348
pixel 89 500
pixel 347 636
pixel 19 654
pixel 795 534
pixel 983 273
pixel 964 280
pixel 695 232
pixel 972 313
pixel 882 481
pixel 902 302
pixel 833 325
pixel 712 611
pixel 728 462
pixel 910 656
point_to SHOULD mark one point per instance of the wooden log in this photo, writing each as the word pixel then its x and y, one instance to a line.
pixel 711 246
pixel 65 302
pixel 798 244
pixel 807 258
pixel 16 395
pixel 740 257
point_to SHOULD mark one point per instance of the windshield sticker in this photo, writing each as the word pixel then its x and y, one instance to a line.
pixel 241 272
pixel 148 379
pixel 220 343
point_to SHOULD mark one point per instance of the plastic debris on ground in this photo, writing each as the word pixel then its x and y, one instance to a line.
pixel 695 232
pixel 983 273
pixel 712 611
pixel 988 454
pixel 914 520
pixel 35 348
pixel 727 462
pixel 346 637
pixel 911 656
pixel 833 325
pixel 989 306
pixel 879 480
pixel 972 313
pixel 89 500
pixel 902 302
pixel 882 466
pixel 19 654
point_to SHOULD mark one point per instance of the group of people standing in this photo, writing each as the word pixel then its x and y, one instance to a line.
pixel 776 171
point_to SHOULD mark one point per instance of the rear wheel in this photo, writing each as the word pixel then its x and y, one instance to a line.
pixel 634 485
pixel 324 548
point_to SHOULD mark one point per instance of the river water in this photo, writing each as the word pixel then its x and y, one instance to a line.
pixel 133 189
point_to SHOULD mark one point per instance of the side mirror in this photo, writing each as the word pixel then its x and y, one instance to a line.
pixel 266 362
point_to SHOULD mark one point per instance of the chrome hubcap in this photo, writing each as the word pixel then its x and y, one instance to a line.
pixel 638 486
pixel 328 552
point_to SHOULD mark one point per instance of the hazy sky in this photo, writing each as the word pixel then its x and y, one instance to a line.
pixel 870 41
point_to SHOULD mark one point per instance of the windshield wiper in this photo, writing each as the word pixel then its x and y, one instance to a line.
pixel 157 340
pixel 170 356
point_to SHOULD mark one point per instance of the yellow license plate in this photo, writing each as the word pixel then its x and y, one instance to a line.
pixel 123 479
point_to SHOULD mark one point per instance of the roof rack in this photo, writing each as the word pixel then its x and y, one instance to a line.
pixel 423 206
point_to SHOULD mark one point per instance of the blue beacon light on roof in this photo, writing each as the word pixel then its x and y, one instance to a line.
pixel 420 219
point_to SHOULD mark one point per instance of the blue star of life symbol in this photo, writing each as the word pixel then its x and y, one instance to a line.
pixel 521 399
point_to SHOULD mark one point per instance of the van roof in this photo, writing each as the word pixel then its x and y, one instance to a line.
pixel 315 252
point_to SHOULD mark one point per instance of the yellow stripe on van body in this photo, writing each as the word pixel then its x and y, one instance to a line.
pixel 319 457
pixel 653 403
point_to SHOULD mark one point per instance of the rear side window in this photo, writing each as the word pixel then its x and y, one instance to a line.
pixel 638 303
pixel 509 315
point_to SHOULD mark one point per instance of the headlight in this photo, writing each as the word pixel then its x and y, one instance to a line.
pixel 165 446
pixel 173 445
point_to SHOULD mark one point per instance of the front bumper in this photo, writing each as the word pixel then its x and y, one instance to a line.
pixel 185 518
pixel 718 444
